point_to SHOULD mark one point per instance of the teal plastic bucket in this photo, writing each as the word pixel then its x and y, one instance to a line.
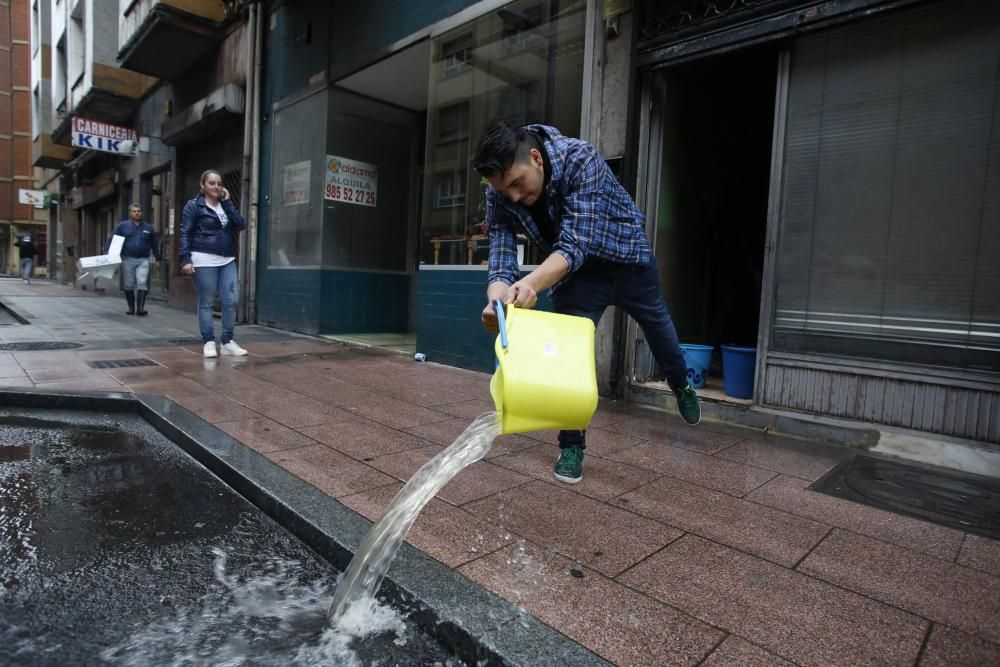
pixel 698 359
pixel 738 365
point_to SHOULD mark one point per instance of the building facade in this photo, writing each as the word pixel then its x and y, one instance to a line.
pixel 173 75
pixel 822 184
pixel 17 217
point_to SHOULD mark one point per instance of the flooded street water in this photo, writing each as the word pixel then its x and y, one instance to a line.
pixel 117 548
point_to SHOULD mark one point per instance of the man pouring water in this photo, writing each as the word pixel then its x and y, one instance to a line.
pixel 560 193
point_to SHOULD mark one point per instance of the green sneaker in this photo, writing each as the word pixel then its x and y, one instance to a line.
pixel 687 405
pixel 569 467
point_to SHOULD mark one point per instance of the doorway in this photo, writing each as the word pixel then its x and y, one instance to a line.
pixel 706 192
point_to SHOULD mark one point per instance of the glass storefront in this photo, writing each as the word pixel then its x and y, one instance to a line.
pixel 522 63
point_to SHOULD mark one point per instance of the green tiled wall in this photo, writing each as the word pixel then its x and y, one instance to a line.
pixel 449 331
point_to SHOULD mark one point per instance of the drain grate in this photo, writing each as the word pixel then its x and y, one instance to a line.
pixel 40 346
pixel 121 363
pixel 949 498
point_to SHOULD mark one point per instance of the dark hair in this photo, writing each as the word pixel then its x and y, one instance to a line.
pixel 501 145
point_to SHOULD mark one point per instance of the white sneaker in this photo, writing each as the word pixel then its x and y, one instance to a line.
pixel 210 349
pixel 232 348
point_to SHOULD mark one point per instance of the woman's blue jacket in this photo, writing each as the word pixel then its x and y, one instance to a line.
pixel 201 230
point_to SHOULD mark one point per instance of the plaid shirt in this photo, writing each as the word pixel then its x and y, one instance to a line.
pixel 597 217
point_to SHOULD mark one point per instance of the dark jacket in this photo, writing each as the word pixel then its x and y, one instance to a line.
pixel 27 249
pixel 140 240
pixel 201 230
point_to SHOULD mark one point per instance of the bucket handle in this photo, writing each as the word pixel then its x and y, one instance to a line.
pixel 502 321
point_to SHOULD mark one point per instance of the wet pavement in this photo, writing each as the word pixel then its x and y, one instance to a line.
pixel 680 546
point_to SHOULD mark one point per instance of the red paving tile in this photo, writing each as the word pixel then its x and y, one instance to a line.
pixel 442 531
pixel 477 481
pixel 302 411
pixel 264 435
pixel 617 623
pixel 790 494
pixel 948 647
pixel 598 535
pixel 467 409
pixel 214 408
pixel 600 442
pixel 733 478
pixel 394 413
pixel 737 652
pixel 807 461
pixel 363 439
pixel 762 531
pixel 675 432
pixel 330 471
pixel 602 479
pixel 785 612
pixel 943 592
pixel 981 553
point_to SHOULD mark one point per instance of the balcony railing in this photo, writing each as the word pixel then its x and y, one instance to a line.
pixel 164 38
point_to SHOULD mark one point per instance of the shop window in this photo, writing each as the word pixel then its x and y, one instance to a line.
pixel 888 238
pixel 298 160
pixel 528 60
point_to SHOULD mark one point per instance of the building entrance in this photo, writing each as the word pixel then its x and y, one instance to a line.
pixel 707 187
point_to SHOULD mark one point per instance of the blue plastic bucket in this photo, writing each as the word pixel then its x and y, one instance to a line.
pixel 698 359
pixel 737 370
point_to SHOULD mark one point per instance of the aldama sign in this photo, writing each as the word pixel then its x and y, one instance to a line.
pixel 99 136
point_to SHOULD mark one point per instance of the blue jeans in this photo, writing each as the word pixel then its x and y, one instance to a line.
pixel 208 280
pixel 636 290
pixel 135 273
pixel 27 267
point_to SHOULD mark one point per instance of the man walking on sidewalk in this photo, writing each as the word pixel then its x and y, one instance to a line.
pixel 28 251
pixel 140 241
pixel 561 194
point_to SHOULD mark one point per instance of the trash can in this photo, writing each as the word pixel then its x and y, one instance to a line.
pixel 738 365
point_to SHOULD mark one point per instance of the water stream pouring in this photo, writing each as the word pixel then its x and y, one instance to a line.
pixel 545 379
pixel 373 557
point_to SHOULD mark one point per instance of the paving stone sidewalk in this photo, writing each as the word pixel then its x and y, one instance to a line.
pixel 681 546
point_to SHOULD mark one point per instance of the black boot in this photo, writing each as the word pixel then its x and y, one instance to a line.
pixel 130 297
pixel 140 304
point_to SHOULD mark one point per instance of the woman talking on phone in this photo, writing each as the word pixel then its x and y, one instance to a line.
pixel 208 253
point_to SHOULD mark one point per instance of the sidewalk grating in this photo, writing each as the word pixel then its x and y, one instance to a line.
pixel 957 500
pixel 121 363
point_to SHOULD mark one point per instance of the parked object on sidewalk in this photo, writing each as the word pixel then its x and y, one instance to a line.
pixel 209 225
pixel 738 364
pixel 546 377
pixel 698 359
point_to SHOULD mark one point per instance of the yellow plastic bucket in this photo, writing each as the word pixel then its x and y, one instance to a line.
pixel 546 377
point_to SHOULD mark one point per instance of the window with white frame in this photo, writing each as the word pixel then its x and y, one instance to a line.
pixel 449 188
